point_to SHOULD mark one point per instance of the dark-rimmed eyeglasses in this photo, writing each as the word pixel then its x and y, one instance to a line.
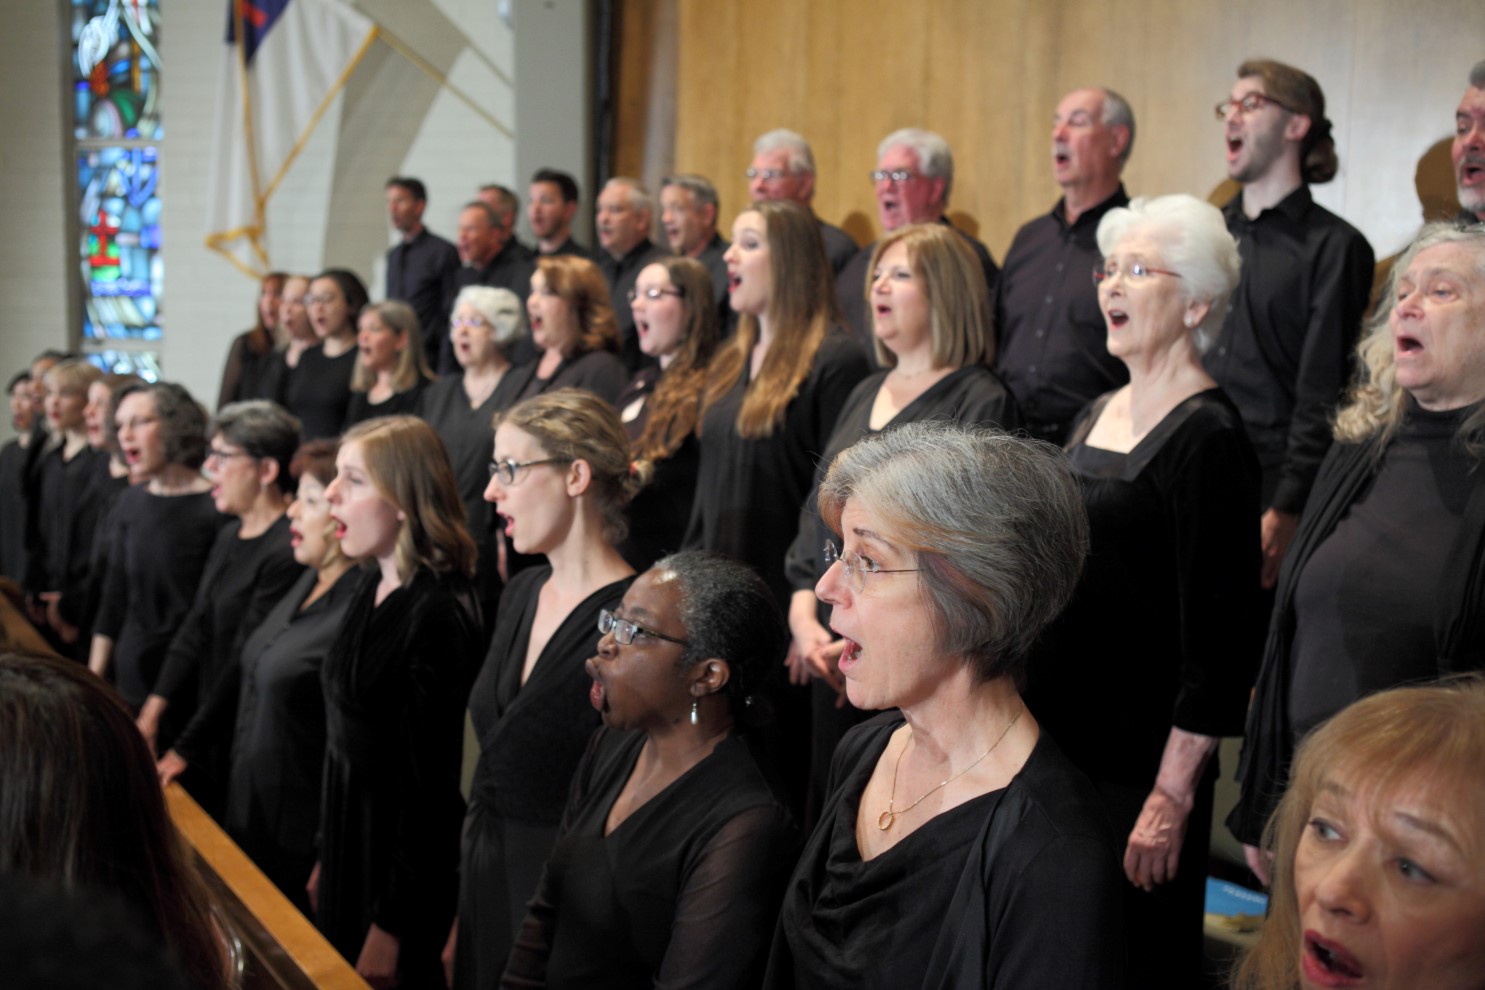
pixel 218 454
pixel 857 567
pixel 654 293
pixel 1252 103
pixel 624 631
pixel 507 469
pixel 1136 272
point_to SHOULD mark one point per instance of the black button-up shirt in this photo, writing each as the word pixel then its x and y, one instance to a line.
pixel 1284 353
pixel 1053 346
pixel 416 271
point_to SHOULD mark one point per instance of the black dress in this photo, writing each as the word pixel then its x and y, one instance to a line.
pixel 748 492
pixel 470 442
pixel 659 513
pixel 161 543
pixel 12 511
pixel 1161 631
pixel 396 680
pixel 972 396
pixel 361 407
pixel 65 529
pixel 598 372
pixel 275 718
pixel 79 603
pixel 319 392
pixel 242 581
pixel 642 905
pixel 531 738
pixel 1017 889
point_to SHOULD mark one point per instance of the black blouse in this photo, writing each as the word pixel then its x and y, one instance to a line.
pixel 319 391
pixel 1017 888
pixel 1162 629
pixel 749 491
pixel 161 544
pixel 641 906
pixel 361 407
pixel 598 372
pixel 659 513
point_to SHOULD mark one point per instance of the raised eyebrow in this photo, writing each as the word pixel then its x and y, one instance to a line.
pixel 1427 827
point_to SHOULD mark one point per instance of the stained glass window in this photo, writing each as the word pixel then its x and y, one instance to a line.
pixel 116 69
pixel 119 223
pixel 116 141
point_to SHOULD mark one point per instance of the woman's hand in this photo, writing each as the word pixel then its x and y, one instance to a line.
pixel 1154 846
pixel 149 719
pixel 825 664
pixel 377 964
pixel 447 957
pixel 807 636
pixel 170 766
pixel 65 630
pixel 1260 862
pixel 312 887
pixel 1276 532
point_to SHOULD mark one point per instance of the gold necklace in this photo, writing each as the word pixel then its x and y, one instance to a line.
pixel 886 818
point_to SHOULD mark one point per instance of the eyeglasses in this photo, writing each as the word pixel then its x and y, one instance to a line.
pixel 137 423
pixel 471 322
pixel 857 567
pixel 1252 103
pixel 765 173
pixel 506 469
pixel 1136 272
pixel 323 299
pixel 655 293
pixel 896 176
pixel 217 454
pixel 624 631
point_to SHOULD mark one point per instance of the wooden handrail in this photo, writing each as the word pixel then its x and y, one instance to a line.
pixel 282 948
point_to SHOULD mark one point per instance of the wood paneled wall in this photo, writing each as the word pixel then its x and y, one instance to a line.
pixel 987 74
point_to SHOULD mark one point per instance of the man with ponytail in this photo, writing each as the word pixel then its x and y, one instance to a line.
pixel 1283 352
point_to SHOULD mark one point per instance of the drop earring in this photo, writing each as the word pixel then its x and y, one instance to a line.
pixel 695 711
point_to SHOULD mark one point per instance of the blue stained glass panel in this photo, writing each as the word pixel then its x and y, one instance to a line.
pixel 119 249
pixel 116 69
pixel 145 364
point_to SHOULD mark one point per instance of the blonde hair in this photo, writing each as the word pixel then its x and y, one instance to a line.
pixel 1375 403
pixel 74 373
pixel 575 425
pixel 961 316
pixel 802 308
pixel 410 468
pixel 1384 744
pixel 412 367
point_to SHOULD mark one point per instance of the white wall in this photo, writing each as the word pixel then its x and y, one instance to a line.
pixel 35 257
pixel 390 119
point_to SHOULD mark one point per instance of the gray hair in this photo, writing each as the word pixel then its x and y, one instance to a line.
pixel 996 523
pixel 265 430
pixel 1117 113
pixel 729 614
pixel 640 200
pixel 509 204
pixel 801 159
pixel 699 186
pixel 1477 75
pixel 935 159
pixel 486 300
pixel 1194 241
pixel 1375 403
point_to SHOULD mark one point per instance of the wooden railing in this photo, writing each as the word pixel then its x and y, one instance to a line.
pixel 277 947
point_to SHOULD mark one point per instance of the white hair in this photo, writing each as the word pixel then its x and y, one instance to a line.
pixel 640 200
pixel 800 157
pixel 935 160
pixel 1194 242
